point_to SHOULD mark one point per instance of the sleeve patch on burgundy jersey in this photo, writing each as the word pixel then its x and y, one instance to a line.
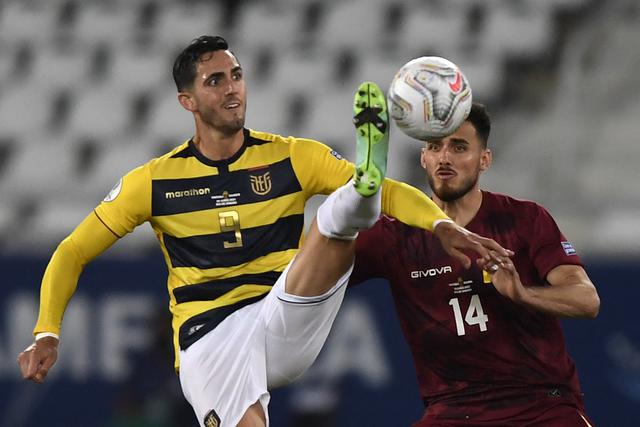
pixel 568 248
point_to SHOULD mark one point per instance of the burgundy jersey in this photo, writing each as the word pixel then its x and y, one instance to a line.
pixel 478 355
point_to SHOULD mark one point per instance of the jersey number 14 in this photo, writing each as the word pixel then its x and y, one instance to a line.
pixel 474 316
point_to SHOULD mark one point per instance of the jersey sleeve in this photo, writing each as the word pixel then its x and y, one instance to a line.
pixel 409 205
pixel 322 170
pixel 60 279
pixel 372 252
pixel 548 247
pixel 319 169
pixel 129 202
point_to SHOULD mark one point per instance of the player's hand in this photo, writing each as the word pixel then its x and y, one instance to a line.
pixel 455 239
pixel 505 277
pixel 36 360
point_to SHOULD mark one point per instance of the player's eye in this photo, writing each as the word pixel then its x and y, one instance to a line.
pixel 237 75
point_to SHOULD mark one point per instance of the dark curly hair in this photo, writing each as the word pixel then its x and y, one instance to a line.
pixel 184 67
pixel 481 121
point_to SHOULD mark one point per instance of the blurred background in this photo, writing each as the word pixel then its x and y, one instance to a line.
pixel 86 94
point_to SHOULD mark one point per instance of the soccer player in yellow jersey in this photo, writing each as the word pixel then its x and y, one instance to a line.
pixel 252 305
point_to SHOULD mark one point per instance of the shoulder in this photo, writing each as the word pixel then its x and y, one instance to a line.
pixel 304 147
pixel 256 137
pixel 503 202
pixel 292 143
pixel 181 151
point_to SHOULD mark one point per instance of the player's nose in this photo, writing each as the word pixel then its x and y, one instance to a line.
pixel 444 156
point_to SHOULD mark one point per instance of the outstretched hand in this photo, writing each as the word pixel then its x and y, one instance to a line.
pixel 505 277
pixel 455 239
pixel 36 360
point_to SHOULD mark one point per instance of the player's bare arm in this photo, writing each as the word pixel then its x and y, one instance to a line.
pixel 570 294
pixel 455 239
pixel 412 207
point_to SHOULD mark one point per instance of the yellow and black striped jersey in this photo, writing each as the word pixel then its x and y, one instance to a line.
pixel 227 228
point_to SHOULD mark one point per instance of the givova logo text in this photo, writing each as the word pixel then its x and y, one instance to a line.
pixel 431 272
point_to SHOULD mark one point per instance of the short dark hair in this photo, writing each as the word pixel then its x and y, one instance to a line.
pixel 481 121
pixel 184 67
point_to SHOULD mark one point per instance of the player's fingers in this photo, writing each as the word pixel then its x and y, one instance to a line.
pixel 471 241
pixel 508 265
pixel 494 262
pixel 33 364
pixel 490 266
pixel 44 368
pixel 492 245
pixel 40 375
pixel 48 362
pixel 23 362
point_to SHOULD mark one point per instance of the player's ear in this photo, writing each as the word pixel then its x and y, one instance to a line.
pixel 423 160
pixel 485 159
pixel 186 100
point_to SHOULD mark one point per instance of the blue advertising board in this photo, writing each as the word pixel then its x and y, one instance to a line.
pixel 115 365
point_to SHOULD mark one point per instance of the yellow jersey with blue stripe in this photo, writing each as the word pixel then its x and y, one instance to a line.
pixel 227 228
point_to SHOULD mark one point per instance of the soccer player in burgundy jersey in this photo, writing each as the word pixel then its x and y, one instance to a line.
pixel 487 346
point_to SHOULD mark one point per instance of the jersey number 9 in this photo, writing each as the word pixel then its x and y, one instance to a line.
pixel 230 221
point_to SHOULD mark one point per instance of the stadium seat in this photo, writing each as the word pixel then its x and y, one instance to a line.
pixel 300 72
pixel 23 108
pixel 106 22
pixel 485 73
pixel 60 67
pixel 139 68
pixel 42 168
pixel 352 24
pixel 432 31
pixel 330 121
pixel 100 112
pixel 179 23
pixel 265 24
pixel 266 106
pixel 115 160
pixel 25 20
pixel 168 119
pixel 518 29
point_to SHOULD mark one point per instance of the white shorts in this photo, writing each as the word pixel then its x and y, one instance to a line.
pixel 256 348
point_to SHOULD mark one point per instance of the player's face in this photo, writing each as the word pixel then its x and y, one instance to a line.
pixel 219 92
pixel 453 164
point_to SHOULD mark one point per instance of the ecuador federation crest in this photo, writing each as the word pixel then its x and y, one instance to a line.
pixel 261 184
pixel 212 419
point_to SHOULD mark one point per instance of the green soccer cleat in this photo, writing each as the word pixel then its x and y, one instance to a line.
pixel 371 119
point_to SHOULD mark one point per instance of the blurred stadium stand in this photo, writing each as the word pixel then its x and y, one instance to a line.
pixel 560 77
pixel 86 94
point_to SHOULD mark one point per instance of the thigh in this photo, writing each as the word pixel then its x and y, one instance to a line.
pixel 297 328
pixel 224 372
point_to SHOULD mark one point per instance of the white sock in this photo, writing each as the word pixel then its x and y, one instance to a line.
pixel 345 212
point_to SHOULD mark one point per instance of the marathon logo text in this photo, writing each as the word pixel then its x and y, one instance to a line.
pixel 431 272
pixel 187 193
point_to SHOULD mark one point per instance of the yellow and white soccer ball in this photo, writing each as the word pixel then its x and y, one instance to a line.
pixel 429 97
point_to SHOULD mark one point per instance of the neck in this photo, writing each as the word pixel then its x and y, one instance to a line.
pixel 461 210
pixel 215 145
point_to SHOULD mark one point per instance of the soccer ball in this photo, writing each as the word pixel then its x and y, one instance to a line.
pixel 429 97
